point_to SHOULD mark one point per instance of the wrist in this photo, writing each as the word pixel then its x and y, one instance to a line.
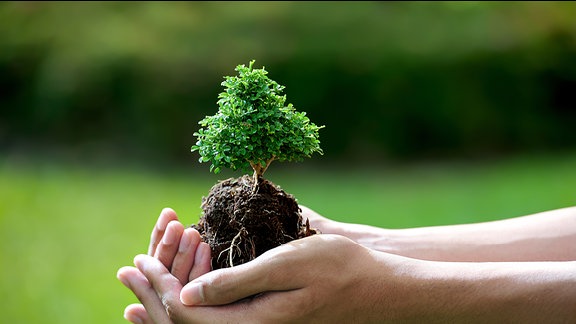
pixel 374 238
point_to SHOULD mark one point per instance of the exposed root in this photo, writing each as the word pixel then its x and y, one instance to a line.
pixel 231 253
pixel 233 245
pixel 240 225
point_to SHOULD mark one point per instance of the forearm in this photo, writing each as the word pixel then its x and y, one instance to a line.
pixel 464 292
pixel 526 292
pixel 548 236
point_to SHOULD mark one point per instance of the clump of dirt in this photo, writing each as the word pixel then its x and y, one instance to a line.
pixel 240 224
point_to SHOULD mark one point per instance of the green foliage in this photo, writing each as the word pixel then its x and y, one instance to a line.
pixel 395 80
pixel 253 126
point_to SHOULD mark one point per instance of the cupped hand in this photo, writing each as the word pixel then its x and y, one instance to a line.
pixel 180 251
pixel 299 271
pixel 326 278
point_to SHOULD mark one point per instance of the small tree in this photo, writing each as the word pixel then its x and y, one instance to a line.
pixel 254 127
pixel 243 217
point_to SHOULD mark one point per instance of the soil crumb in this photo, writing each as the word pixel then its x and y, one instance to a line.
pixel 240 224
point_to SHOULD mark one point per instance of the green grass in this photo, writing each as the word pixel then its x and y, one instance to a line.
pixel 67 229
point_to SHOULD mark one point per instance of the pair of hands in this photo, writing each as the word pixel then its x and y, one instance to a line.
pixel 331 278
pixel 319 277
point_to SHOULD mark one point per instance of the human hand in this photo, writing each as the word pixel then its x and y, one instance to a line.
pixel 290 284
pixel 166 238
pixel 179 250
pixel 167 242
pixel 322 277
pixel 329 278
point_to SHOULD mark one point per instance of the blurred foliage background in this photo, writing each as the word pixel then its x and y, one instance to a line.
pixel 435 113
pixel 390 80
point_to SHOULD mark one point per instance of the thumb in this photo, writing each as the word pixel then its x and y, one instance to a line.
pixel 269 272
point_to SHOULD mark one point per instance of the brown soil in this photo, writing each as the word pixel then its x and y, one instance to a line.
pixel 239 224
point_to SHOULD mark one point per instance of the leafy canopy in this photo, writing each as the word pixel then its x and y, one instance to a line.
pixel 253 126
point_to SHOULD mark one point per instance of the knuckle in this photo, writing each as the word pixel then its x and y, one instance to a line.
pixel 172 308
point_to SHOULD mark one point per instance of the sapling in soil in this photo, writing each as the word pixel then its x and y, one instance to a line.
pixel 246 216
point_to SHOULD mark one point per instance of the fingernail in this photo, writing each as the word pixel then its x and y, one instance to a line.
pixel 184 242
pixel 202 252
pixel 199 253
pixel 140 261
pixel 159 226
pixel 123 280
pixel 133 318
pixel 192 294
pixel 169 237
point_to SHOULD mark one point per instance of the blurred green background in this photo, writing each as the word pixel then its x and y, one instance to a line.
pixel 435 113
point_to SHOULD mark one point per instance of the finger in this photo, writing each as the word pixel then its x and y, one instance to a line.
pixel 272 271
pixel 140 286
pixel 136 313
pixel 168 246
pixel 305 211
pixel 161 280
pixel 168 288
pixel 185 257
pixel 316 220
pixel 166 216
pixel 202 261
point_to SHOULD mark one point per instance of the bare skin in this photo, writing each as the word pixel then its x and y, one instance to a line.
pixel 179 250
pixel 546 236
pixel 331 278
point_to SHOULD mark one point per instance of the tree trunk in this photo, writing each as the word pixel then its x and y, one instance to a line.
pixel 259 172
